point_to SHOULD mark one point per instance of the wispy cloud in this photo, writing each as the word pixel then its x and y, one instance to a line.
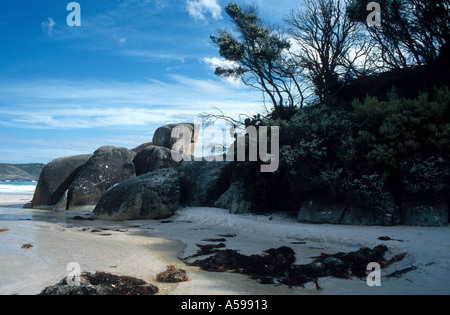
pixel 47 26
pixel 46 148
pixel 117 105
pixel 199 9
pixel 150 55
pixel 133 28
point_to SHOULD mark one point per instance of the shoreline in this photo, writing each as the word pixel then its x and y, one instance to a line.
pixel 142 249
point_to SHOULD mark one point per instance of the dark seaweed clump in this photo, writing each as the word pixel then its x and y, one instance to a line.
pixel 276 266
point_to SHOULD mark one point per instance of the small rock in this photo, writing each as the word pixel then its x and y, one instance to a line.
pixel 28 205
pixel 173 275
pixel 102 283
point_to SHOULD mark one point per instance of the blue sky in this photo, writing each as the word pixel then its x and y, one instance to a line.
pixel 132 66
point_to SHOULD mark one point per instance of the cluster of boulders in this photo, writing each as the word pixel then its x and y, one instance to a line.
pixel 79 182
pixel 147 183
pixel 142 183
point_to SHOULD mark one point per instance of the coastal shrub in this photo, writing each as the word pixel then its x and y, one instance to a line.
pixel 425 176
pixel 315 158
pixel 317 151
pixel 372 189
pixel 409 139
pixel 377 150
pixel 402 130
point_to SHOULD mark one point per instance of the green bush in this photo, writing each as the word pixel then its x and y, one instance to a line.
pixel 379 150
pixel 407 138
pixel 425 176
pixel 402 130
pixel 317 151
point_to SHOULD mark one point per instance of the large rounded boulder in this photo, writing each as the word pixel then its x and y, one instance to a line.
pixel 163 137
pixel 150 196
pixel 56 178
pixel 202 183
pixel 109 166
pixel 233 200
pixel 141 147
pixel 153 158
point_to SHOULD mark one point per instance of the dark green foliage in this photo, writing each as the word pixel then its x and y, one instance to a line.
pixel 404 126
pixel 316 149
pixel 409 138
pixel 378 150
pixel 262 189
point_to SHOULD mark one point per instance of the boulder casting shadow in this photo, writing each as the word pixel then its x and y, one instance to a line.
pixel 150 196
pixel 108 166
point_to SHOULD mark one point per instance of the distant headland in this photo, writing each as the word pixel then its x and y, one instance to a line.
pixel 20 172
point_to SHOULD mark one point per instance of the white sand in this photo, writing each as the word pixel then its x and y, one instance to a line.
pixel 58 241
pixel 144 248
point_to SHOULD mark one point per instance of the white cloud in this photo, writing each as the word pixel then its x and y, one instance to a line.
pixel 47 26
pixel 198 9
pixel 72 105
pixel 214 62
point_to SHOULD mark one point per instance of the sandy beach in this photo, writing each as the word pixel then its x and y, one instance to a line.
pixel 143 249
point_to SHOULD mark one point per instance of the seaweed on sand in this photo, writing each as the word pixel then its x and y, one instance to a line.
pixel 276 266
pixel 206 250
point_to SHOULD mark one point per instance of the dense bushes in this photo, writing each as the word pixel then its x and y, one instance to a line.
pixel 407 138
pixel 377 150
pixel 316 148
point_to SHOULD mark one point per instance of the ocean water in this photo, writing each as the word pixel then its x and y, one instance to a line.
pixel 17 188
